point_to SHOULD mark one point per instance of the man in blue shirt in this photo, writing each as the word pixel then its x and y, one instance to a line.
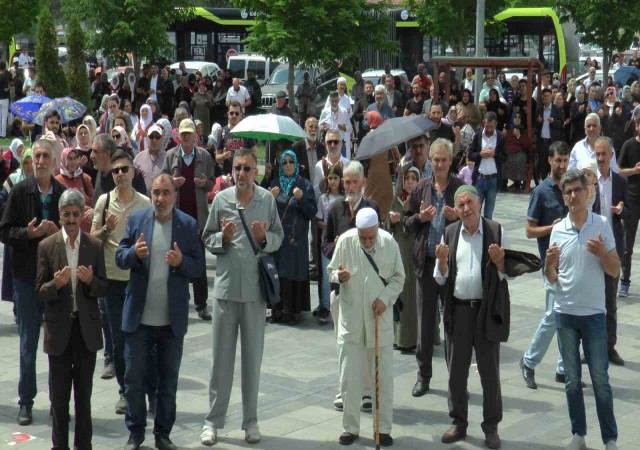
pixel 582 252
pixel 546 208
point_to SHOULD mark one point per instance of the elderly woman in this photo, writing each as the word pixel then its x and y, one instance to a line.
pixel 201 104
pixel 296 202
pixel 518 147
pixel 218 105
pixel 156 112
pixel 406 332
pixel 139 133
pixel 577 115
pixel 16 147
pixel 72 176
pixel 84 139
pixel 119 134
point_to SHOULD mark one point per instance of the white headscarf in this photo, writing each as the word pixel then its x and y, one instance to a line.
pixel 15 144
pixel 144 123
pixel 166 134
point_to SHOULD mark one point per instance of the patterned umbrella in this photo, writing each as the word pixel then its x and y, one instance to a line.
pixel 27 108
pixel 68 108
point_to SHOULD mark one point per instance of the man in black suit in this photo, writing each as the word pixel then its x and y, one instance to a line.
pixel 612 203
pixel 71 276
pixel 360 107
pixel 550 124
pixel 395 98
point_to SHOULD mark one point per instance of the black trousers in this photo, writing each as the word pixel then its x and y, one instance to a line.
pixel 74 367
pixel 462 342
pixel 427 307
pixel 542 167
pixel 200 286
pixel 610 293
pixel 630 229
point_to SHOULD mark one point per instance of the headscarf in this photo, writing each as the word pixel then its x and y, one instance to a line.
pixel 19 175
pixel 626 95
pixel 470 96
pixel 63 164
pixel 144 123
pixel 78 140
pixel 166 134
pixel 15 144
pixel 404 195
pixel 124 137
pixel 90 122
pixel 105 98
pixel 374 119
pixel 115 82
pixel 522 126
pixel 158 114
pixel 286 183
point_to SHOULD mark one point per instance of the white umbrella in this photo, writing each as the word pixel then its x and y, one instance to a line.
pixel 269 127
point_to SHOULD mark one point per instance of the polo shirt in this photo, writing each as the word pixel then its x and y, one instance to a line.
pixel 579 290
pixel 546 204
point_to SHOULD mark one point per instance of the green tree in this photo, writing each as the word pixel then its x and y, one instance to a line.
pixel 76 66
pixel 15 15
pixel 307 32
pixel 121 27
pixel 452 21
pixel 48 70
pixel 595 21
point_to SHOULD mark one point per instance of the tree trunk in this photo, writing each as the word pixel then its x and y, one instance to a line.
pixel 292 67
pixel 605 66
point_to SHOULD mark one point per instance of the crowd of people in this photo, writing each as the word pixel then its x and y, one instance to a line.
pixel 97 213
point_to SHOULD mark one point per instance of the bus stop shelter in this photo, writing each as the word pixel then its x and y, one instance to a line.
pixel 531 65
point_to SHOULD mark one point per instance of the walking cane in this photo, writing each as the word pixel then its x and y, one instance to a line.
pixel 377 387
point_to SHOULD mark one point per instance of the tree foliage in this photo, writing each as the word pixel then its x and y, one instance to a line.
pixel 452 21
pixel 311 32
pixel 16 15
pixel 595 21
pixel 48 70
pixel 76 66
pixel 138 27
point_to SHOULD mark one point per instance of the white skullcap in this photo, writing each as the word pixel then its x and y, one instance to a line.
pixel 366 218
pixel 342 80
pixel 590 164
pixel 178 72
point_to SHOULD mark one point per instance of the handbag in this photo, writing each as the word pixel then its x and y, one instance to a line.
pixel 269 279
pixel 398 306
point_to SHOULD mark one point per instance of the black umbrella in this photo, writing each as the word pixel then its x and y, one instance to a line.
pixel 393 132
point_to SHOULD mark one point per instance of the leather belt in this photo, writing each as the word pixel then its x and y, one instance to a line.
pixel 468 303
pixel 73 315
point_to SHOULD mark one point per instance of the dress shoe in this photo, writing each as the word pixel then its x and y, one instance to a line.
pixel 454 434
pixel 560 378
pixel 347 438
pixel 204 314
pixel 24 415
pixel 420 388
pixel 385 439
pixel 528 375
pixel 492 440
pixel 134 442
pixel 615 358
pixel 164 443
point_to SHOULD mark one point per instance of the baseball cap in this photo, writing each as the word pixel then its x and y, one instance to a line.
pixel 155 128
pixel 15 60
pixel 281 94
pixel 187 126
pixel 178 72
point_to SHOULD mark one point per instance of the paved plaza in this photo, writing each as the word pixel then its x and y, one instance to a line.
pixel 299 381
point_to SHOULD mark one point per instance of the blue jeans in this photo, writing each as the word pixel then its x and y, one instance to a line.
pixel 592 331
pixel 326 288
pixel 487 191
pixel 137 347
pixel 29 312
pixel 106 329
pixel 543 336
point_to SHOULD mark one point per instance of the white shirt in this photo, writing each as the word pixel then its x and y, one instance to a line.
pixel 546 129
pixel 72 261
pixel 312 157
pixel 583 152
pixel 606 193
pixel 153 85
pixel 319 174
pixel 241 95
pixel 335 118
pixel 469 84
pixel 488 165
pixel 345 102
pixel 25 60
pixel 468 264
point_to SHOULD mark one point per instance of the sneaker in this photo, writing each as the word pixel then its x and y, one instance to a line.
pixel 577 443
pixel 366 404
pixel 323 316
pixel 204 314
pixel 624 290
pixel 109 370
pixel 611 445
pixel 121 405
pixel 337 403
pixel 209 436
pixel 252 434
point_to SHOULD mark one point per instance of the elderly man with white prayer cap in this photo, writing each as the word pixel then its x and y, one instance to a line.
pixel 368 266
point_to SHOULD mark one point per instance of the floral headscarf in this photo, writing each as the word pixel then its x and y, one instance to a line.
pixel 19 175
pixel 166 134
pixel 287 182
pixel 63 164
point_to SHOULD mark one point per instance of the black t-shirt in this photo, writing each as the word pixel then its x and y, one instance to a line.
pixel 5 77
pixel 227 141
pixel 629 157
pixel 415 107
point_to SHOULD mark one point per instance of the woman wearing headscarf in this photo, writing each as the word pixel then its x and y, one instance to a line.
pixel 156 112
pixel 201 107
pixel 635 91
pixel 72 176
pixel 104 113
pixel 166 134
pixel 24 171
pixel 119 134
pixel 406 332
pixel 379 170
pixel 577 114
pixel 90 122
pixel 296 203
pixel 494 104
pixel 84 139
pixel 139 133
pixel 518 146
pixel 114 84
pixel 627 99
pixel 218 105
pixel 16 147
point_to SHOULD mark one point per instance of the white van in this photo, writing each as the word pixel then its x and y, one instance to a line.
pixel 262 67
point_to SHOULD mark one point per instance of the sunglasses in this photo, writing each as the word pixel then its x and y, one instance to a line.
pixel 287 162
pixel 116 136
pixel 234 113
pixel 74 214
pixel 117 170
pixel 246 169
pixel 155 137
pixel 333 142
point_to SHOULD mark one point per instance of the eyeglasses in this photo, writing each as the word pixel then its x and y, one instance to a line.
pixel 155 137
pixel 287 162
pixel 246 169
pixel 117 170
pixel 116 136
pixel 234 113
pixel 74 214
pixel 333 142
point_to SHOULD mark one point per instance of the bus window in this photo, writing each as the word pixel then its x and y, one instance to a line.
pixel 236 68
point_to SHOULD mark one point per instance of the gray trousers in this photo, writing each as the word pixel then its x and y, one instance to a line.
pixel 229 317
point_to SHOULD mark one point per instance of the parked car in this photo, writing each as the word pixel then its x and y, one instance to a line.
pixel 204 67
pixel 376 75
pixel 262 67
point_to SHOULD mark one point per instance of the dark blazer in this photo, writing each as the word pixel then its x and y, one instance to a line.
pixel 185 233
pixel 22 206
pixel 618 194
pixel 556 128
pixel 52 257
pixel 300 149
pixel 398 102
pixel 411 220
pixel 476 148
pixel 340 220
